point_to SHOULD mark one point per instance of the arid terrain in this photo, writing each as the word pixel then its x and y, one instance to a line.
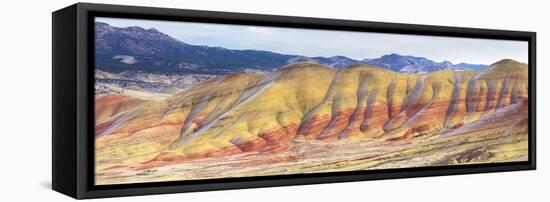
pixel 307 118
pixel 144 85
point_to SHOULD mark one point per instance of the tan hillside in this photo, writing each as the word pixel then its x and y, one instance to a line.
pixel 295 114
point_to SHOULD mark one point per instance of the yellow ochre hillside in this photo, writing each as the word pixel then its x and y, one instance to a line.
pixel 308 114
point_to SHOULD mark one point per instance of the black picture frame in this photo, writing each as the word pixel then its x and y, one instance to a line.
pixel 73 95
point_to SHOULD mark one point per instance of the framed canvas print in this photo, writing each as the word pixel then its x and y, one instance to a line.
pixel 154 100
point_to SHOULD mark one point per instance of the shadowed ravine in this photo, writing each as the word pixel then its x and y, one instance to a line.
pixel 306 118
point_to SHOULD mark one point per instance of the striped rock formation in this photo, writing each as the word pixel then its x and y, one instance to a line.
pixel 243 114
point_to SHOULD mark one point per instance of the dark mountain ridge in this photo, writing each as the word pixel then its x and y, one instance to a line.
pixel 148 50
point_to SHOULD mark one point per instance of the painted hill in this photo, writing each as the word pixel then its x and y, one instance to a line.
pixel 148 50
pixel 307 104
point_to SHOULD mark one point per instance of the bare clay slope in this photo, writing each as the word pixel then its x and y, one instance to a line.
pixel 244 114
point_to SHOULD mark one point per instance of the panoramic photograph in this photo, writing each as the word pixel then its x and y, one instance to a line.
pixel 178 101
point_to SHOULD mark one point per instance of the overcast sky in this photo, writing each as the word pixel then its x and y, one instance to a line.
pixel 314 42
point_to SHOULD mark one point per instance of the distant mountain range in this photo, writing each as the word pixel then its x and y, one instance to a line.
pixel 148 50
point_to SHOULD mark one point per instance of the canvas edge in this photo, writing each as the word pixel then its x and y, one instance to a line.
pixel 64 146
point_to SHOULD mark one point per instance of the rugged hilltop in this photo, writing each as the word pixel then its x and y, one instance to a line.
pixel 308 103
pixel 120 49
